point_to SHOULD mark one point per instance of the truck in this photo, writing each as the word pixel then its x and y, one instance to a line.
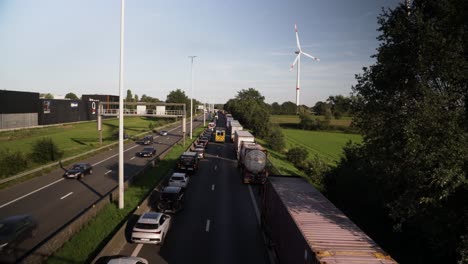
pixel 235 126
pixel 239 137
pixel 252 161
pixel 220 135
pixel 303 226
pixel 229 118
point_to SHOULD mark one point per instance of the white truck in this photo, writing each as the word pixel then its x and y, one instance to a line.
pixel 253 161
pixel 242 136
pixel 235 126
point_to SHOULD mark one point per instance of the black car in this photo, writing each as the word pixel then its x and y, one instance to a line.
pixel 79 170
pixel 147 140
pixel 188 162
pixel 15 229
pixel 147 152
pixel 171 199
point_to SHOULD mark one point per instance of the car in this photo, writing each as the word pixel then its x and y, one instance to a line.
pixel 147 152
pixel 151 228
pixel 147 140
pixel 203 142
pixel 121 260
pixel 78 170
pixel 200 152
pixel 179 179
pixel 14 230
pixel 171 199
pixel 163 133
pixel 188 162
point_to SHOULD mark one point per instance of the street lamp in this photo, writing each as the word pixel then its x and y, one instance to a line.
pixel 191 95
pixel 121 106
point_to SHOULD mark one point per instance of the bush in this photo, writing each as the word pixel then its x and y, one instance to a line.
pixel 12 162
pixel 316 170
pixel 151 126
pixel 45 150
pixel 297 156
pixel 275 138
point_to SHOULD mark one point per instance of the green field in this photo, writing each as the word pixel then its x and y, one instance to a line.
pixel 327 145
pixel 294 119
pixel 75 138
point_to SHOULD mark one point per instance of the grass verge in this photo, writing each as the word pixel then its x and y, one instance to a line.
pixel 87 243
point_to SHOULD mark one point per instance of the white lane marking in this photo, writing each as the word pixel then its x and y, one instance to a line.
pixel 207 229
pixel 257 212
pixel 137 250
pixel 10 202
pixel 50 184
pixel 132 158
pixel 63 197
pixel 109 171
pixel 212 187
pixel 216 167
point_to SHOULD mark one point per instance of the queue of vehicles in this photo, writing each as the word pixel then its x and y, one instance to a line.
pixel 152 227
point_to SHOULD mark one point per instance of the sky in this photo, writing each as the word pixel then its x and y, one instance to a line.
pixel 62 46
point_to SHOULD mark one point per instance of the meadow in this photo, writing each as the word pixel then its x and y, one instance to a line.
pixel 294 119
pixel 327 145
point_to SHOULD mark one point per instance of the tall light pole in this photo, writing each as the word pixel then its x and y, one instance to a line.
pixel 121 107
pixel 191 95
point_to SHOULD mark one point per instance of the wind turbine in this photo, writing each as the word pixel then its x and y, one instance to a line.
pixel 298 61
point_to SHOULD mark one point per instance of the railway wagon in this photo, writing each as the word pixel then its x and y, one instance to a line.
pixel 305 227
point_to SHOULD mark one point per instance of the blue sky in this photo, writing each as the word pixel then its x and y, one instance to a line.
pixel 61 46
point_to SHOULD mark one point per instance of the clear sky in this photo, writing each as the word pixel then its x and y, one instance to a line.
pixel 61 46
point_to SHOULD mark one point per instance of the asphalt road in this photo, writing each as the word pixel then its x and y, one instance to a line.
pixel 54 200
pixel 218 223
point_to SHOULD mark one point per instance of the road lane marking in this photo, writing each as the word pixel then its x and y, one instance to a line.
pixel 216 167
pixel 26 195
pixel 207 229
pixel 66 196
pixel 257 212
pixel 50 184
pixel 212 187
pixel 109 171
pixel 137 250
pixel 132 158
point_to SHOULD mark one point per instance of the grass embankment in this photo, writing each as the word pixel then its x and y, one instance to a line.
pixel 294 120
pixel 87 243
pixel 76 138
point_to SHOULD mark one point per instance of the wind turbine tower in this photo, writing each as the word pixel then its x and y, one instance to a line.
pixel 298 62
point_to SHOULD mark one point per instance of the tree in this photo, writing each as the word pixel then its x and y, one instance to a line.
pixel 178 96
pixel 340 104
pixel 297 156
pixel 412 110
pixel 320 108
pixel 288 108
pixel 275 138
pixel 46 96
pixel 275 108
pixel 71 96
pixel 45 150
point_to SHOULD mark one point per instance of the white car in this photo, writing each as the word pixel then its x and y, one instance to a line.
pixel 128 260
pixel 163 133
pixel 151 228
pixel 179 179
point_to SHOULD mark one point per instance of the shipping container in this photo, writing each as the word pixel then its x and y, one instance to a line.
pixel 303 226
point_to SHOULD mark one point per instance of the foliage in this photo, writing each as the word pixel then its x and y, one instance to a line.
pixel 286 108
pixel 71 96
pixel 309 122
pixel 250 109
pixel 46 96
pixel 316 169
pixel 275 138
pixel 12 162
pixel 297 156
pixel 178 96
pixel 45 150
pixel 411 106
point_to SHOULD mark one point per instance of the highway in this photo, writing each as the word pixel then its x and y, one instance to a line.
pixel 218 223
pixel 54 200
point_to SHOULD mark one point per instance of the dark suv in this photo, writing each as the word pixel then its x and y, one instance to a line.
pixel 147 140
pixel 171 199
pixel 188 162
pixel 79 170
pixel 14 230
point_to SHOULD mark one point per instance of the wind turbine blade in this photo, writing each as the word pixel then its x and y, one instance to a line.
pixel 295 61
pixel 297 38
pixel 310 56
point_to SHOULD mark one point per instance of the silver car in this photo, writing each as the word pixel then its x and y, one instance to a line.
pixel 151 228
pixel 179 179
pixel 128 260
